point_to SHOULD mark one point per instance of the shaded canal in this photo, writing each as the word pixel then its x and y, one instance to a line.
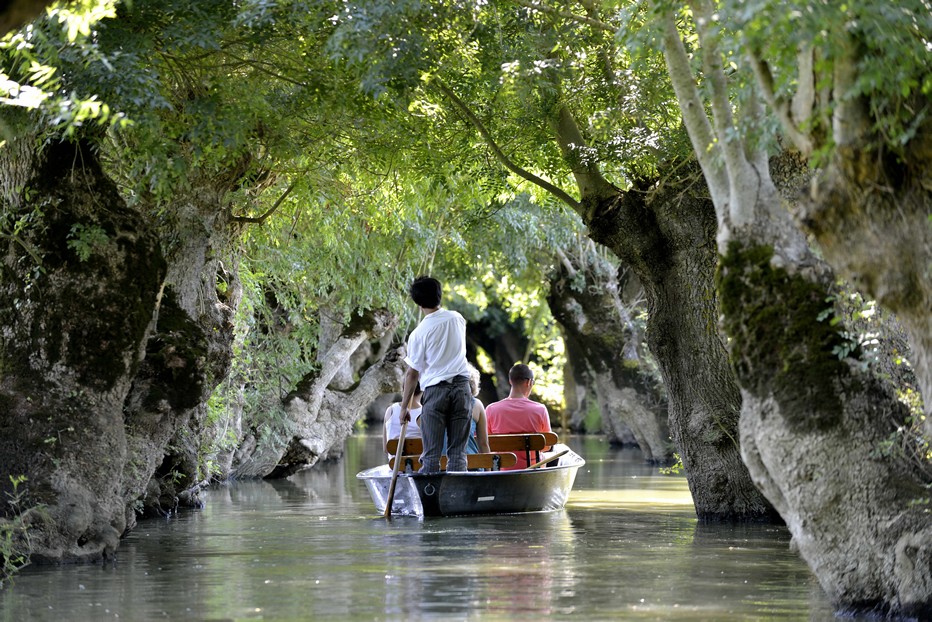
pixel 628 547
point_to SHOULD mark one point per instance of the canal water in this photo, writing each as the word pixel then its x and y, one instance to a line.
pixel 627 547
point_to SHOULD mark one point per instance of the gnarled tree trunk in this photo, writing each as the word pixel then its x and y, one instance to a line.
pixel 317 418
pixel 812 428
pixel 584 298
pixel 666 234
pixel 78 296
pixel 870 211
pixel 814 419
pixel 187 357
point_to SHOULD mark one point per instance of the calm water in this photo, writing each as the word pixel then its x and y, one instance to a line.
pixel 627 547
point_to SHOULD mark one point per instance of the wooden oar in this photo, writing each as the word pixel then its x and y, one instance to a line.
pixel 398 453
pixel 550 459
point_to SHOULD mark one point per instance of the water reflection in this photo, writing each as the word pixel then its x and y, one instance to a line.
pixel 628 546
pixel 497 565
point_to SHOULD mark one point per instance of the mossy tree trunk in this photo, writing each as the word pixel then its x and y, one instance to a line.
pixel 665 233
pixel 79 291
pixel 812 428
pixel 869 206
pixel 814 419
pixel 170 434
pixel 585 299
pixel 871 212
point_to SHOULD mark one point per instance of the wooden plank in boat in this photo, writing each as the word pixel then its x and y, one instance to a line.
pixel 517 442
pixel 497 442
pixel 473 461
pixel 413 447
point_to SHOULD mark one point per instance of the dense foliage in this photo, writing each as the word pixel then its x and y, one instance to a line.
pixel 356 144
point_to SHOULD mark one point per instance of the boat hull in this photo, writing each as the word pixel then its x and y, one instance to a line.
pixel 476 492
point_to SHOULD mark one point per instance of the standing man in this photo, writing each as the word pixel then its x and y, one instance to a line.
pixel 517 414
pixel 437 359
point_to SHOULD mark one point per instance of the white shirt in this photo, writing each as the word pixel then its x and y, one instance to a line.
pixel 437 347
pixel 393 425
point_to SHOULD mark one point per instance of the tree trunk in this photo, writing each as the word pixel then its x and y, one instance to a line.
pixel 815 422
pixel 587 304
pixel 813 426
pixel 79 291
pixel 320 435
pixel 503 341
pixel 167 388
pixel 668 240
pixel 578 392
pixel 170 435
pixel 870 211
pixel 316 418
pixel 17 13
pixel 665 231
pixel 666 234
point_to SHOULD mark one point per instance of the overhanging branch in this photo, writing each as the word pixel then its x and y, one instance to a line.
pixel 697 123
pixel 582 19
pixel 504 159
pixel 261 219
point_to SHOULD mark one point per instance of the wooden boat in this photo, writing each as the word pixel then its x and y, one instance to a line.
pixel 541 488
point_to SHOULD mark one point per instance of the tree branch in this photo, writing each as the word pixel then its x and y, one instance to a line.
pixel 582 19
pixel 26 246
pixel 588 176
pixel 720 102
pixel 570 269
pixel 504 159
pixel 747 185
pixel 849 121
pixel 780 106
pixel 261 219
pixel 694 117
pixel 260 66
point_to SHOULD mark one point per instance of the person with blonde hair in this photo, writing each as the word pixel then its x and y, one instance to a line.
pixel 478 440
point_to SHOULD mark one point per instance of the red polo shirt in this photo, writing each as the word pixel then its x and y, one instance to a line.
pixel 517 415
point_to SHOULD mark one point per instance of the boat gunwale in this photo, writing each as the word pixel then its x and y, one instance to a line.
pixel 383 470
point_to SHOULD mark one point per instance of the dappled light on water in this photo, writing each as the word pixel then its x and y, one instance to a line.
pixel 632 499
pixel 627 546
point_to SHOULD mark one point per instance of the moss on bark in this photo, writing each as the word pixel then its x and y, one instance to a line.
pixel 70 342
pixel 785 341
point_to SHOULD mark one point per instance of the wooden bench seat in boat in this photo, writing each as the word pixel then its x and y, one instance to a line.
pixel 488 462
pixel 497 442
pixel 526 443
pixel 414 448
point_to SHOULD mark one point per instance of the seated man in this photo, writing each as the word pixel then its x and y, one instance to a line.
pixel 517 414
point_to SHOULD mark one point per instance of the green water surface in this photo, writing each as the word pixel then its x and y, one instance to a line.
pixel 627 547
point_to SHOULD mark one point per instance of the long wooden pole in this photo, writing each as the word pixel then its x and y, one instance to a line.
pixel 399 452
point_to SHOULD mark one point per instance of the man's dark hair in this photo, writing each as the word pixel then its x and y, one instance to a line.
pixel 520 372
pixel 425 292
